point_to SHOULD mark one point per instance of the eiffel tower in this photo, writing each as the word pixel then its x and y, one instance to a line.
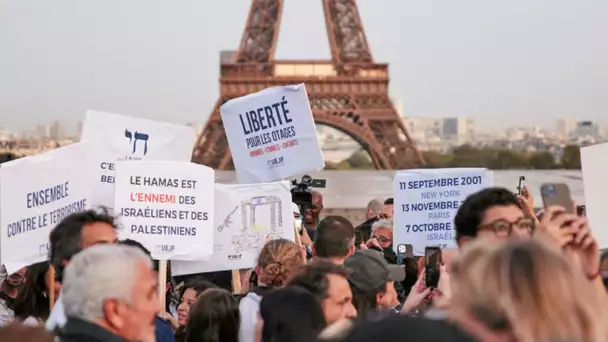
pixel 348 92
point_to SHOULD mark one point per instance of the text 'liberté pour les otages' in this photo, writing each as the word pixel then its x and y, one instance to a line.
pixel 162 213
pixel 266 118
pixel 41 198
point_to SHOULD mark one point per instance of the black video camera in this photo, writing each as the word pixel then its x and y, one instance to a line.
pixel 301 193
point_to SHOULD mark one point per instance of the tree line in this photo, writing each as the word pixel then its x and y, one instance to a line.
pixel 462 156
pixel 469 156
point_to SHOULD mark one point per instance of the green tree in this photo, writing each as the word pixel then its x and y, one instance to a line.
pixel 507 159
pixel 542 161
pixel 465 156
pixel 469 156
pixel 436 159
pixel 329 165
pixel 571 158
pixel 360 160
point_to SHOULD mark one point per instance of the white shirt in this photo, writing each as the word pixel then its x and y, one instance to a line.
pixel 249 308
pixel 7 315
pixel 57 318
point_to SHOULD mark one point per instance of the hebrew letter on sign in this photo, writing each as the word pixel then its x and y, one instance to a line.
pixel 128 135
pixel 141 136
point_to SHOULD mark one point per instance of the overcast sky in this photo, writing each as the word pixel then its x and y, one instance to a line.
pixel 498 61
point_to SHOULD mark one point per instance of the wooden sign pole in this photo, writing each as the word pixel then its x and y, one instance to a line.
pixel 162 285
pixel 52 287
pixel 236 281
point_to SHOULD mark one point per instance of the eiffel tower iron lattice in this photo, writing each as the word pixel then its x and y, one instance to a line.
pixel 348 92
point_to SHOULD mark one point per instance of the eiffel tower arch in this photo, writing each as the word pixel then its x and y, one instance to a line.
pixel 348 92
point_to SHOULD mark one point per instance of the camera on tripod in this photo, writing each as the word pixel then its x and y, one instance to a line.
pixel 301 193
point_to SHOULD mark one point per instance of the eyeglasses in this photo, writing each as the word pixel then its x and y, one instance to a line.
pixel 503 227
pixel 382 239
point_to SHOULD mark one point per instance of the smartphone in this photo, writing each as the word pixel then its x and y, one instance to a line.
pixel 298 223
pixel 432 261
pixel 409 251
pixel 557 194
pixel 581 210
pixel 401 250
pixel 521 186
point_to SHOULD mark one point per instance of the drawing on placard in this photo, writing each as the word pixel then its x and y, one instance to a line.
pixel 261 221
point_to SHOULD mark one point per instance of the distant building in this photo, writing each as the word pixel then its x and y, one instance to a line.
pixel 459 130
pixel 423 129
pixel 5 134
pixel 587 129
pixel 42 132
pixel 565 127
pixel 57 131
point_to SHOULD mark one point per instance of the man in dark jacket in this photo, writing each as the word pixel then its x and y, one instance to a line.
pixel 110 294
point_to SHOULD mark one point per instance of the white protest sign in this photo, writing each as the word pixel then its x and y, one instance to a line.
pixel 272 134
pixel 248 216
pixel 426 202
pixel 37 193
pixel 167 207
pixel 116 137
pixel 594 162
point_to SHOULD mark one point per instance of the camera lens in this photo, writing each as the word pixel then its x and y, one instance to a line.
pixel 307 180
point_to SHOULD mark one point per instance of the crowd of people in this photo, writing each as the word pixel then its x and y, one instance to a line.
pixel 515 276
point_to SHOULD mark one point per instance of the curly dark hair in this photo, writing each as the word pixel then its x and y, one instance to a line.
pixel 65 238
pixel 471 211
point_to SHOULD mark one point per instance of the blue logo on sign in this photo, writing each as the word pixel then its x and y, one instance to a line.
pixel 135 137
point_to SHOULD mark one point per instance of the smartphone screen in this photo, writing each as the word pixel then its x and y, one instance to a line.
pixel 432 261
pixel 401 249
pixel 581 210
pixel 409 251
pixel 557 194
pixel 521 186
pixel 298 223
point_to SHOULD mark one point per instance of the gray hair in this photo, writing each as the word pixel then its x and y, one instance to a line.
pixel 97 274
pixel 386 223
pixel 376 205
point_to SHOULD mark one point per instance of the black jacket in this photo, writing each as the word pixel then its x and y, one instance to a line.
pixel 77 330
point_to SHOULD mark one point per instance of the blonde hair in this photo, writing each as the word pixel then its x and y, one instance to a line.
pixel 278 261
pixel 530 289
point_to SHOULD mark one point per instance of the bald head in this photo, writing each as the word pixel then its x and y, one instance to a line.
pixel 311 216
pixel 374 208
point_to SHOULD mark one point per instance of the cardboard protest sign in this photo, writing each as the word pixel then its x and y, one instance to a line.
pixel 426 202
pixel 166 206
pixel 272 134
pixel 37 192
pixel 248 217
pixel 115 137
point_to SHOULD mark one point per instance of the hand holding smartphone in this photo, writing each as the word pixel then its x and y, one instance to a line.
pixel 432 262
pixel 404 251
pixel 521 187
pixel 557 194
pixel 298 223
